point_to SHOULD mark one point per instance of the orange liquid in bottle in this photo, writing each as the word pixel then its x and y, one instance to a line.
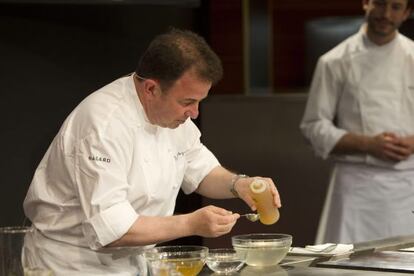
pixel 262 196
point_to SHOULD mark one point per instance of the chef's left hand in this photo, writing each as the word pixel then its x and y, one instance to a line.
pixel 242 186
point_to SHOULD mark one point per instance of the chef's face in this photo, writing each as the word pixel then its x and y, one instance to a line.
pixel 384 17
pixel 174 106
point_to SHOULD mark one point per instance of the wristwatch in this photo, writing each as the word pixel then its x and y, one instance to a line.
pixel 233 184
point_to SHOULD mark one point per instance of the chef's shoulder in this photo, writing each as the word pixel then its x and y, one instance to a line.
pixel 344 50
pixel 407 45
pixel 338 59
pixel 106 108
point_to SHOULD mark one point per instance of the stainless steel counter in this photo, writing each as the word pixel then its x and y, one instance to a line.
pixel 302 271
pixel 369 258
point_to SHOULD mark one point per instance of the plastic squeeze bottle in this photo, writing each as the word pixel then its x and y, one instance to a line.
pixel 262 196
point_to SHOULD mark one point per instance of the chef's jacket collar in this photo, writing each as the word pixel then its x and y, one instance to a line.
pixel 369 44
pixel 143 119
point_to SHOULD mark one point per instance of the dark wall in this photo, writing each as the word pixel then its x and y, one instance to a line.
pixel 51 57
pixel 260 136
pixel 290 19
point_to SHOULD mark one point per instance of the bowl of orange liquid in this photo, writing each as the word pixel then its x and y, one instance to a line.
pixel 262 249
pixel 187 260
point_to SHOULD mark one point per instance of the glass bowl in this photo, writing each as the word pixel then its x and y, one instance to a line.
pixel 162 268
pixel 225 260
pixel 187 260
pixel 266 249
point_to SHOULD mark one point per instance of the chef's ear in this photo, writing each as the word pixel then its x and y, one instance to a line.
pixel 150 87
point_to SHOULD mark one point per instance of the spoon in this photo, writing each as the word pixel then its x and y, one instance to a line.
pixel 251 216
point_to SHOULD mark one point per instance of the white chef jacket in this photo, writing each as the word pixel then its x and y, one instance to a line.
pixel 367 89
pixel 107 166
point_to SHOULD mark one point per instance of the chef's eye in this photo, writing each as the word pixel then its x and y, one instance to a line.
pixel 397 7
pixel 187 103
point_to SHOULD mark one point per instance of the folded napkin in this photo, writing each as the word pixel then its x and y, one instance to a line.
pixel 325 249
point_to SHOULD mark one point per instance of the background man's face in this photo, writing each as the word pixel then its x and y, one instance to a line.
pixel 384 17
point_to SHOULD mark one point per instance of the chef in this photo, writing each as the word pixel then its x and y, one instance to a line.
pixel 106 188
pixel 360 111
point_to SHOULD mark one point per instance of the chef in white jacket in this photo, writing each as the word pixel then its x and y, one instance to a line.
pixel 360 111
pixel 107 186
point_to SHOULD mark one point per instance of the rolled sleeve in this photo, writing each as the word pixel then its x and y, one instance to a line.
pixel 109 225
pixel 102 185
pixel 324 146
pixel 318 121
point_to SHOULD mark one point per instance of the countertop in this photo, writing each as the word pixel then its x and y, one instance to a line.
pixel 338 265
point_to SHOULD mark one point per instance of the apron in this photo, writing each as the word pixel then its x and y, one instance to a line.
pixel 367 203
pixel 41 252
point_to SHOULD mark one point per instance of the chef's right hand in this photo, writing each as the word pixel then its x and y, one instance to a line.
pixel 212 221
pixel 387 146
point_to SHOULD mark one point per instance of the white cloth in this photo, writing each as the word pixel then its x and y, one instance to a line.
pixel 363 88
pixel 326 249
pixel 106 166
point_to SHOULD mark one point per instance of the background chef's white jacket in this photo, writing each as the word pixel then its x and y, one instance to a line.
pixel 107 166
pixel 362 88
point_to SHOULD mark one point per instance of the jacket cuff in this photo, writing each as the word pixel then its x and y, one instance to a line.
pixel 331 142
pixel 109 225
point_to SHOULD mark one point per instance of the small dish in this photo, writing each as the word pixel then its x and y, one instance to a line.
pixel 225 260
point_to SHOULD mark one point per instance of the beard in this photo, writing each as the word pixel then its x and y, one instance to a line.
pixel 382 26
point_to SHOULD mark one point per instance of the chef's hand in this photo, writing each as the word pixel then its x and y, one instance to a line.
pixel 389 146
pixel 212 221
pixel 407 143
pixel 242 186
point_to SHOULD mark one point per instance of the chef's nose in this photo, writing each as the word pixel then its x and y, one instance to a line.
pixel 192 112
pixel 387 11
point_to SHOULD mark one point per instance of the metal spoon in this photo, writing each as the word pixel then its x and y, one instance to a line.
pixel 251 216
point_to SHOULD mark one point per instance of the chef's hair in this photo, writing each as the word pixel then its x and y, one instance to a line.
pixel 171 54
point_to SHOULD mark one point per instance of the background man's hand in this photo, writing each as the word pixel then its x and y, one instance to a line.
pixel 389 146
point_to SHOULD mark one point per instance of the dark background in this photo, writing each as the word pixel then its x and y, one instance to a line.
pixel 55 53
pixel 53 56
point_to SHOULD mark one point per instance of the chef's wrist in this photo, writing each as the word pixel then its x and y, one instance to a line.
pixel 233 183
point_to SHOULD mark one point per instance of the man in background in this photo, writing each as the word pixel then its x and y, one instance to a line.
pixel 360 111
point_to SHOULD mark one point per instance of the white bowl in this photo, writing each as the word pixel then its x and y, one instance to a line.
pixel 262 249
